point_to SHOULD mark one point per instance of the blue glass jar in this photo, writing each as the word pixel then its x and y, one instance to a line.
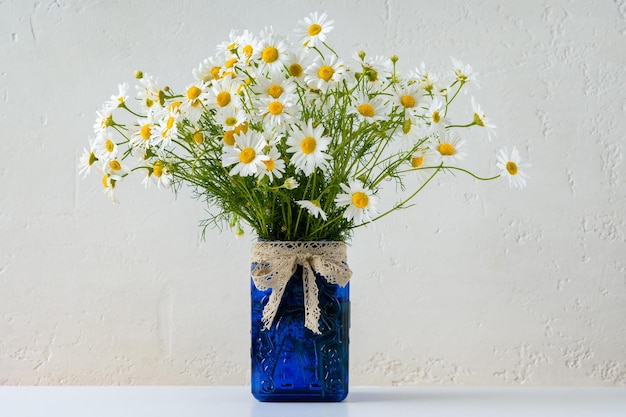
pixel 289 361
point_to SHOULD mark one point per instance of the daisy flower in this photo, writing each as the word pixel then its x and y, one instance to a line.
pixel 104 119
pixel 278 113
pixel 427 80
pixel 223 93
pixel 308 146
pixel 435 116
pixel 104 148
pixel 274 166
pixel 210 69
pixel 227 47
pixel 247 45
pixel 324 72
pixel 408 97
pixel 272 53
pixel 423 157
pixel 119 100
pixel 149 93
pixel 448 148
pixel 481 119
pixel 230 117
pixel 141 138
pixel 87 159
pixel 313 207
pixel 312 30
pixel 114 168
pixel 409 134
pixel 160 175
pixel 274 86
pixel 246 154
pixel 296 63
pixel 510 167
pixel 195 94
pixel 376 71
pixel 166 127
pixel 360 202
pixel 463 73
pixel 108 182
pixel 370 110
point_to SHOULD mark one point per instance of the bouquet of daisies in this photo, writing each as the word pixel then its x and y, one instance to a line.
pixel 287 137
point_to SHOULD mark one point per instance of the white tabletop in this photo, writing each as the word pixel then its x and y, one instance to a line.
pixel 361 402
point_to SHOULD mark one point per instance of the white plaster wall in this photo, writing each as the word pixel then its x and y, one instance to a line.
pixel 476 285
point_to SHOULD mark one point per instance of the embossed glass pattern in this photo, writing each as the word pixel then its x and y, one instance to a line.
pixel 289 361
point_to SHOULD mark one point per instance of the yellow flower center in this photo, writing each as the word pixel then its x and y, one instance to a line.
pixel 296 70
pixel 146 132
pixel 326 73
pixel 109 145
pixel 478 120
pixel 275 90
pixel 223 98
pixel 511 167
pixel 275 108
pixel 407 101
pixel 230 121
pixel 229 138
pixel 170 122
pixel 314 29
pixel 247 155
pixel 242 128
pixel 366 110
pixel 105 182
pixel 107 121
pixel 360 199
pixel 175 107
pixel 446 149
pixel 115 165
pixel 198 137
pixel 247 50
pixel 215 73
pixel 308 145
pixel 92 158
pixel 269 54
pixel 230 63
pixel 157 169
pixel 417 161
pixel 436 116
pixel 193 92
pixel 269 164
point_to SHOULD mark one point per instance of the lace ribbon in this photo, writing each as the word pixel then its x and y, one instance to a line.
pixel 275 263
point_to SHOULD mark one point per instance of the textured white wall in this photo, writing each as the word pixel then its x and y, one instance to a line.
pixel 477 284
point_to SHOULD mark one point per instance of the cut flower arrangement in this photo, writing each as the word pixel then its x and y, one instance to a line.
pixel 290 138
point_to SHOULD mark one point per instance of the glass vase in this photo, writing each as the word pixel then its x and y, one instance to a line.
pixel 291 362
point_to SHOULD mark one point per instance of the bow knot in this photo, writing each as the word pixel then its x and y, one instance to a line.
pixel 275 263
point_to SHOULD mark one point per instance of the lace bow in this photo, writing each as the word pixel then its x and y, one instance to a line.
pixel 275 263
